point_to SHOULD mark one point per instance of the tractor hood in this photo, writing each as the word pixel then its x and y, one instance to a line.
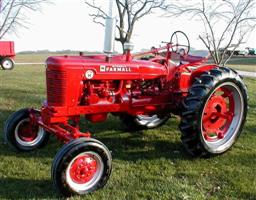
pixel 96 67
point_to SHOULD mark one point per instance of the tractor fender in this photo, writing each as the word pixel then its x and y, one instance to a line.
pixel 188 74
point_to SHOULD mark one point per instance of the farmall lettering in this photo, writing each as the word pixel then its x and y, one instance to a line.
pixel 115 68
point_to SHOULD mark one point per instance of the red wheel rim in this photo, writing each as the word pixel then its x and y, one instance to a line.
pixel 26 132
pixel 218 114
pixel 27 135
pixel 83 169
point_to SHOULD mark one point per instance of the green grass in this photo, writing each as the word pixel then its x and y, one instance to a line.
pixel 243 63
pixel 36 58
pixel 26 58
pixel 249 68
pixel 248 60
pixel 146 165
pixel 41 57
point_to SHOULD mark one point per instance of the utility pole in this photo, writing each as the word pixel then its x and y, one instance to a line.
pixel 110 29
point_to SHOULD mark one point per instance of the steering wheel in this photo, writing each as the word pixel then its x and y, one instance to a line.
pixel 180 42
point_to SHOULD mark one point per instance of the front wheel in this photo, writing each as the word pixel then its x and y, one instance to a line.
pixel 81 166
pixel 214 112
pixel 20 134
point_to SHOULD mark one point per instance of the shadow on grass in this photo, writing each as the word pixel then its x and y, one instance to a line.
pixel 134 147
pixel 123 145
pixel 250 128
pixel 4 114
pixel 12 188
pixel 137 146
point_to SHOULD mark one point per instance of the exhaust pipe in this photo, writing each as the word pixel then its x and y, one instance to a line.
pixel 110 27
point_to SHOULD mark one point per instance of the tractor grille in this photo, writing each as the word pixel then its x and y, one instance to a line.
pixel 56 87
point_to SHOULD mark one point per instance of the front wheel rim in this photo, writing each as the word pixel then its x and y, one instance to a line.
pixel 26 135
pixel 84 171
pixel 222 117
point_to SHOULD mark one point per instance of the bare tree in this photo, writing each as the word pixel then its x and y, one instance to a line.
pixel 13 14
pixel 227 23
pixel 129 12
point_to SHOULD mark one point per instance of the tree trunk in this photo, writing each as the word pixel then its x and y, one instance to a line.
pixel 123 47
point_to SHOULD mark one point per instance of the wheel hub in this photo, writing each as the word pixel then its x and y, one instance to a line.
pixel 215 106
pixel 218 114
pixel 83 169
pixel 26 132
pixel 7 64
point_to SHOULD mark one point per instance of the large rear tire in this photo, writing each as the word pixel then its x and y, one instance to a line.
pixel 214 112
pixel 81 166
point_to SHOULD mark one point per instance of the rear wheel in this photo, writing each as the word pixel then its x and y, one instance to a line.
pixel 140 122
pixel 214 112
pixel 7 63
pixel 81 166
pixel 20 134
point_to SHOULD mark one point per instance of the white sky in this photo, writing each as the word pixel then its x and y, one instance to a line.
pixel 66 25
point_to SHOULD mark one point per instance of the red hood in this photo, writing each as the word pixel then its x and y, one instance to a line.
pixel 117 68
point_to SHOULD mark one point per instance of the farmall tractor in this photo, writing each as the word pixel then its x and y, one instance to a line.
pixel 143 90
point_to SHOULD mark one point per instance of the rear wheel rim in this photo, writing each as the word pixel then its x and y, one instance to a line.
pixel 26 135
pixel 150 121
pixel 84 171
pixel 222 117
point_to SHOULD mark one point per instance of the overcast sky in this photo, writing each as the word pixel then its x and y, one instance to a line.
pixel 66 25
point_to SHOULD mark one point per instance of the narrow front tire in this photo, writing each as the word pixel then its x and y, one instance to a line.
pixel 81 166
pixel 20 134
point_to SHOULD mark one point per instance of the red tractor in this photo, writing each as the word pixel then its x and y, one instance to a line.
pixel 143 90
pixel 7 54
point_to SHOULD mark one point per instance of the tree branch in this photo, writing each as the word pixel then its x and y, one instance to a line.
pixel 129 11
pixel 12 14
pixel 234 15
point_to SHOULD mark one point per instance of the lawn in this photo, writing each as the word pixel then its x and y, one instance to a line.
pixel 243 63
pixel 146 165
pixel 37 57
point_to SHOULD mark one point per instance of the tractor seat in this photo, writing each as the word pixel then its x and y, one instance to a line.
pixel 195 57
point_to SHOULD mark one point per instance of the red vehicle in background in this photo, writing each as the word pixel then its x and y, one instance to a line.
pixel 7 54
